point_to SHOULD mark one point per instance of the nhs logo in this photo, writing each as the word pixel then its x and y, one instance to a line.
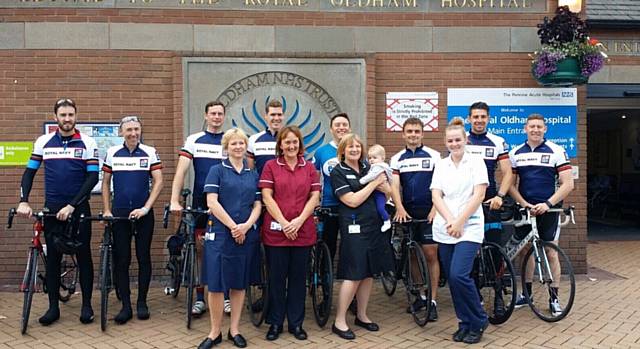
pixel 567 94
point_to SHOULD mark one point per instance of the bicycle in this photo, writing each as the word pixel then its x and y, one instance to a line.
pixel 106 275
pixel 416 278
pixel 539 267
pixel 187 274
pixel 495 277
pixel 258 293
pixel 320 278
pixel 29 285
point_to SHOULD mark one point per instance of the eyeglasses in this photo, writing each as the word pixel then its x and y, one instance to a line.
pixel 130 118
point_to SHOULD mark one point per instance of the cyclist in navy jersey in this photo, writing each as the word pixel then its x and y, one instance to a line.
pixel 204 150
pixel 71 171
pixel 538 164
pixel 262 145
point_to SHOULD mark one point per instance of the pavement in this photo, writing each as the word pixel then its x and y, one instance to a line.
pixel 606 314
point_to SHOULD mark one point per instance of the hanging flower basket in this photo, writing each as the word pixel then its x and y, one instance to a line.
pixel 567 73
pixel 568 56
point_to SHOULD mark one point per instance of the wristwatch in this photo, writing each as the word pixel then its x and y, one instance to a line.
pixel 548 203
pixel 501 196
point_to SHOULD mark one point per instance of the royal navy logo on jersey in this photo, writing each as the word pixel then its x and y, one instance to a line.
pixel 488 152
pixel 545 159
pixel 426 163
pixel 144 163
pixel 77 153
pixel 96 153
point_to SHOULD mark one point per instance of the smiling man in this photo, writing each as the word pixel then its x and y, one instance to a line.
pixel 262 146
pixel 131 165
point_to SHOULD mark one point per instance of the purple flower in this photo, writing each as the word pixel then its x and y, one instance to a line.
pixel 591 63
pixel 547 63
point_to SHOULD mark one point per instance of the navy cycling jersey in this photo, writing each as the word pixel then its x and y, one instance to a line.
pixel 325 159
pixel 538 169
pixel 492 149
pixel 262 148
pixel 67 160
pixel 131 172
pixel 415 169
pixel 205 150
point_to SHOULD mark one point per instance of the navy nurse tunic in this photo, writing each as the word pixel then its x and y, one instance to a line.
pixel 367 253
pixel 229 265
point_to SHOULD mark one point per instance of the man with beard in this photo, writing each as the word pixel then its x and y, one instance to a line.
pixel 71 171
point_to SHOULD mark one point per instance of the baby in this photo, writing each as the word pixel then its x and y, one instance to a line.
pixel 376 160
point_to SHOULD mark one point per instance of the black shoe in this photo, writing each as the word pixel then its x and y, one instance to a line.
pixel 498 307
pixel 238 340
pixel 442 281
pixel 347 334
pixel 474 337
pixel 142 311
pixel 124 315
pixel 274 332
pixel 52 315
pixel 353 307
pixel 418 304
pixel 299 333
pixel 369 326
pixel 459 335
pixel 433 313
pixel 86 314
pixel 208 343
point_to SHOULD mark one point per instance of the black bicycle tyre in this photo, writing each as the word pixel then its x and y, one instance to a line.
pixel 567 269
pixel 30 279
pixel 67 290
pixel 176 277
pixel 322 272
pixel 257 318
pixel 389 283
pixel 499 280
pixel 105 270
pixel 191 279
pixel 420 317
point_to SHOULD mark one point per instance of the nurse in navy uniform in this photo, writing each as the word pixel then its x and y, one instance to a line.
pixel 231 240
pixel 364 250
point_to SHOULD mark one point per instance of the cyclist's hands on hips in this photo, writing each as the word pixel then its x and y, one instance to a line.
pixel 65 212
pixel 24 210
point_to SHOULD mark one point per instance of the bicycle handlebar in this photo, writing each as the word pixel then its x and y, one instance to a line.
pixel 568 212
pixel 37 216
pixel 411 220
pixel 324 212
pixel 183 212
pixel 101 217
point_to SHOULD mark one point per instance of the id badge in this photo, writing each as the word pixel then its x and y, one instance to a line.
pixel 354 228
pixel 276 226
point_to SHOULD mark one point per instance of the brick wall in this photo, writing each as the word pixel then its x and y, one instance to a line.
pixel 109 83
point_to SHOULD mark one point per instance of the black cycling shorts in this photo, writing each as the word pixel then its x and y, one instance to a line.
pixel 548 227
pixel 422 232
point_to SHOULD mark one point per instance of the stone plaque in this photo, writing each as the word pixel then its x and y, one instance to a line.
pixel 311 91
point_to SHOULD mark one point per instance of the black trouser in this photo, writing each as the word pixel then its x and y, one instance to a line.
pixel 122 232
pixel 83 254
pixel 288 268
pixel 330 228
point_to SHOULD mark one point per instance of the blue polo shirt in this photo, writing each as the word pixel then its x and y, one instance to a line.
pixel 325 159
pixel 205 150
pixel 131 172
pixel 67 161
pixel 237 193
pixel 538 169
pixel 262 148
pixel 415 169
pixel 492 149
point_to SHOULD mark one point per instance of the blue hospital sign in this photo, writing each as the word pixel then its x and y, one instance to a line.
pixel 509 108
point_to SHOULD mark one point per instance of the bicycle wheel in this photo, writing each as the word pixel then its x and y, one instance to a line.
pixel 258 293
pixel 175 280
pixel 68 277
pixel 321 283
pixel 190 265
pixel 389 283
pixel 29 288
pixel 418 284
pixel 542 289
pixel 105 284
pixel 496 281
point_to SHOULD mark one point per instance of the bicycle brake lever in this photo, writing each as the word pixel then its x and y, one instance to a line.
pixel 12 212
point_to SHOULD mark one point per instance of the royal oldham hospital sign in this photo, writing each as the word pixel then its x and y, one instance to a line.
pixel 419 6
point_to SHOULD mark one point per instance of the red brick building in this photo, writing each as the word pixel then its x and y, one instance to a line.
pixel 130 57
